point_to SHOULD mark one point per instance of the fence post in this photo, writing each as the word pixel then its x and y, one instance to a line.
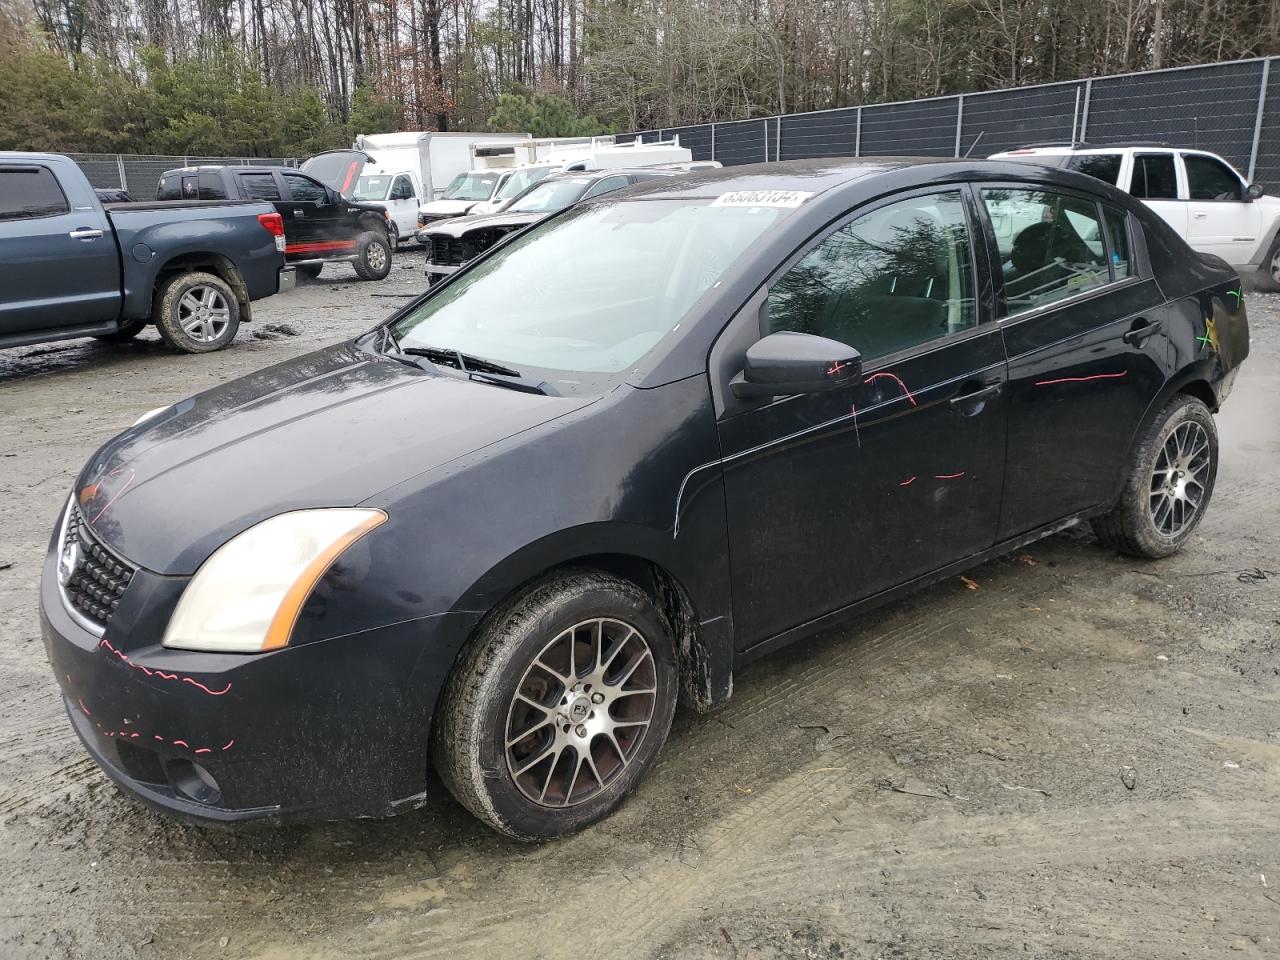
pixel 124 181
pixel 857 134
pixel 777 138
pixel 959 120
pixel 1084 118
pixel 766 139
pixel 1257 120
pixel 713 139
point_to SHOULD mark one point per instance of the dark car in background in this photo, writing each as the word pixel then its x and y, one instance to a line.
pixel 320 225
pixel 452 243
pixel 612 459
pixel 72 267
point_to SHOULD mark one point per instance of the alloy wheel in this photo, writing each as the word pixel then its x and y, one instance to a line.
pixel 375 256
pixel 1178 480
pixel 580 712
pixel 203 314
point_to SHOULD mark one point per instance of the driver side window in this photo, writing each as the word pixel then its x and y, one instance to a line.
pixel 900 276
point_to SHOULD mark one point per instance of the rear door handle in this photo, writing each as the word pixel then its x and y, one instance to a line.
pixel 1141 331
pixel 971 402
pixel 85 233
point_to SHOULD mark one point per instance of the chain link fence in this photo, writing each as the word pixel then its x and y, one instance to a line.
pixel 1232 109
pixel 139 175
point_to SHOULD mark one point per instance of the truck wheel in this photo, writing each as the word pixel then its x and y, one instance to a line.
pixel 308 271
pixel 196 313
pixel 1268 276
pixel 1169 484
pixel 373 256
pixel 559 706
pixel 128 330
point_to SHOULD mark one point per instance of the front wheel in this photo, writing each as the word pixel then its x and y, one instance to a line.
pixel 1268 276
pixel 1169 485
pixel 559 707
pixel 196 312
pixel 373 255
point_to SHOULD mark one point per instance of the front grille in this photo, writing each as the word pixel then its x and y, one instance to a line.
pixel 450 251
pixel 92 577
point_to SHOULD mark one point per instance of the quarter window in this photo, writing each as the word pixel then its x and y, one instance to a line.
pixel 259 186
pixel 1103 166
pixel 1210 179
pixel 30 192
pixel 1154 177
pixel 900 276
pixel 1051 245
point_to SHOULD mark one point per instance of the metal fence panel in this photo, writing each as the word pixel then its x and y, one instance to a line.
pixel 697 139
pixel 1211 108
pixel 832 133
pixel 1267 170
pixel 741 142
pixel 1010 118
pixel 916 129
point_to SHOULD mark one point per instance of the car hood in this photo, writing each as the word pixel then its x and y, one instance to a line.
pixel 446 208
pixel 332 428
pixel 463 225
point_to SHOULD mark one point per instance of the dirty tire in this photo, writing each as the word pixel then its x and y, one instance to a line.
pixel 1267 277
pixel 308 271
pixel 171 312
pixel 373 255
pixel 128 330
pixel 1130 526
pixel 471 748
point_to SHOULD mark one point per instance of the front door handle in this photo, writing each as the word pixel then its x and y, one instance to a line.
pixel 972 402
pixel 1141 331
pixel 85 233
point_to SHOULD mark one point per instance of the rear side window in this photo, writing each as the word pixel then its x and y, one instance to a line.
pixel 1210 179
pixel 211 187
pixel 1154 177
pixel 898 277
pixel 1103 166
pixel 305 189
pixel 1118 232
pixel 30 192
pixel 169 187
pixel 1051 245
pixel 259 186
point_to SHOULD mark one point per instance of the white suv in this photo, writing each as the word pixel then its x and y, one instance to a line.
pixel 1197 193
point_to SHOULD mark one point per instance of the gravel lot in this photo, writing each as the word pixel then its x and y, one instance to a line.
pixel 1078 758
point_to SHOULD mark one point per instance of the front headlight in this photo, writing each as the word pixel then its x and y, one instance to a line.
pixel 247 596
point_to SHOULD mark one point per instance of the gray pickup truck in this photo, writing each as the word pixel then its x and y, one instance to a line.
pixel 72 267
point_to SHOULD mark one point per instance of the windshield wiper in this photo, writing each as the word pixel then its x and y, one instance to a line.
pixel 477 368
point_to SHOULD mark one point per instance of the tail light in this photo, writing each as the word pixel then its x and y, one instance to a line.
pixel 273 223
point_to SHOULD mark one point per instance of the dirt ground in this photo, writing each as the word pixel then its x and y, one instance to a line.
pixel 1078 758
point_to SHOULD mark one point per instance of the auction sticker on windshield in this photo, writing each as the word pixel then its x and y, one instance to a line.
pixel 762 198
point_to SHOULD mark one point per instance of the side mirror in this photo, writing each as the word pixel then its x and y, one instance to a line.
pixel 786 363
pixel 1254 191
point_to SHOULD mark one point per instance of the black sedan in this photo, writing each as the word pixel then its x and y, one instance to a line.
pixel 595 471
pixel 452 243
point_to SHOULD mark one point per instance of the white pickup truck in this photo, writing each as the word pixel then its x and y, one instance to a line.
pixel 1199 194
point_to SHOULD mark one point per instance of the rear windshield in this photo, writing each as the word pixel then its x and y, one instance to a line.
pixel 471 186
pixel 372 188
pixel 591 291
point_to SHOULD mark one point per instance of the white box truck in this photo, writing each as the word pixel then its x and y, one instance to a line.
pixel 401 171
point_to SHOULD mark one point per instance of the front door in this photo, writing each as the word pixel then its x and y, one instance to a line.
pixel 1222 220
pixel 58 266
pixel 1088 352
pixel 323 229
pixel 837 496
pixel 403 204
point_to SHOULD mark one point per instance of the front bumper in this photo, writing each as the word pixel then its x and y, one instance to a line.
pixel 325 730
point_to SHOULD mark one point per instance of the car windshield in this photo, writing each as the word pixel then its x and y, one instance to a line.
pixel 551 196
pixel 471 186
pixel 591 291
pixel 372 188
pixel 522 180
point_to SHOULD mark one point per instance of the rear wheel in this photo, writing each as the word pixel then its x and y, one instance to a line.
pixel 373 255
pixel 196 313
pixel 1169 485
pixel 559 707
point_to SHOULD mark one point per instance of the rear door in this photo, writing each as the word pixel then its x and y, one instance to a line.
pixel 1155 180
pixel 325 230
pixel 58 263
pixel 1083 326
pixel 835 497
pixel 1222 221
